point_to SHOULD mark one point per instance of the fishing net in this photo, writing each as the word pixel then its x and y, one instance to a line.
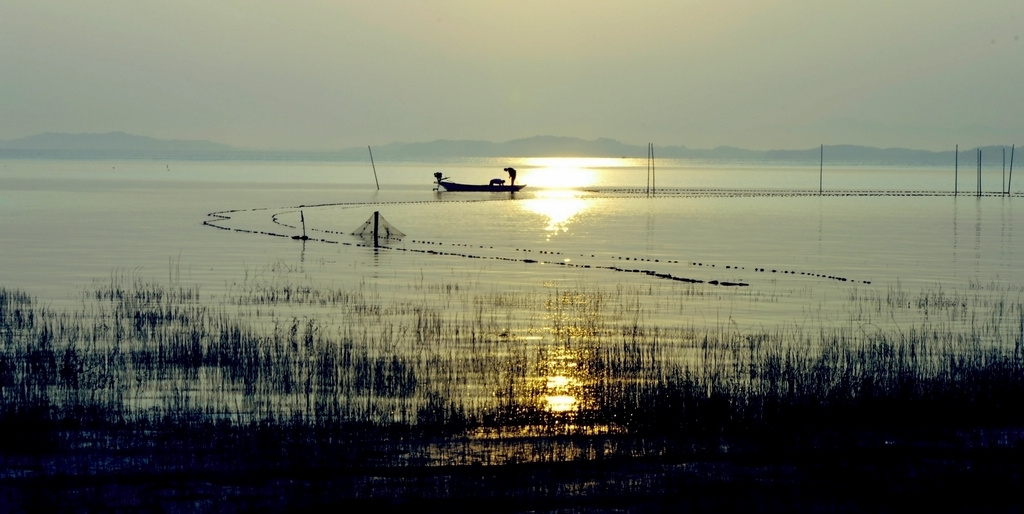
pixel 384 229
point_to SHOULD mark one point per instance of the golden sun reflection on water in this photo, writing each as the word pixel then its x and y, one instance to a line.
pixel 566 367
pixel 558 401
pixel 555 182
pixel 564 172
pixel 563 388
pixel 559 206
pixel 561 403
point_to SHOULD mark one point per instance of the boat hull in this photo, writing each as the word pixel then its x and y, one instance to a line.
pixel 455 186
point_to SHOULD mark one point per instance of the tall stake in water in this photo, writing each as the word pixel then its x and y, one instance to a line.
pixel 979 172
pixel 821 168
pixel 374 167
pixel 1010 179
pixel 376 228
pixel 303 237
pixel 956 166
pixel 650 167
pixel 648 190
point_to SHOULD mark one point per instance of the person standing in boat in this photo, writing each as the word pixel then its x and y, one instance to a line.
pixel 511 175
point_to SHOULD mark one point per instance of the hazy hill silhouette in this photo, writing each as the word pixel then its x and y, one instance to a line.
pixel 123 145
pixel 551 146
pixel 109 141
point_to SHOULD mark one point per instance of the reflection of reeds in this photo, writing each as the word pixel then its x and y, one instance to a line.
pixel 576 361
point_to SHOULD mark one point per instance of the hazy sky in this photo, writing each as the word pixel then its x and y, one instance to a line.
pixel 326 74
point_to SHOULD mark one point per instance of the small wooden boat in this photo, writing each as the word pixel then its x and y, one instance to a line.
pixel 496 185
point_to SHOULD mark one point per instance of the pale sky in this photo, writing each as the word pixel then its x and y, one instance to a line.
pixel 329 74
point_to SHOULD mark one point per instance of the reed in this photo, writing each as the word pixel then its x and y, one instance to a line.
pixel 296 359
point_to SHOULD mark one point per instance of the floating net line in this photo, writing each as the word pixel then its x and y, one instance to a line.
pixel 376 224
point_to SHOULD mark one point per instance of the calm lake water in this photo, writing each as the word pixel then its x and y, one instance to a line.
pixel 504 303
pixel 581 224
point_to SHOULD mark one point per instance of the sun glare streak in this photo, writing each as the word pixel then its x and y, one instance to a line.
pixel 560 403
pixel 560 208
pixel 576 162
pixel 566 172
pixel 563 391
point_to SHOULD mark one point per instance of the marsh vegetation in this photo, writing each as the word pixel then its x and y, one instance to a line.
pixel 143 356
pixel 451 393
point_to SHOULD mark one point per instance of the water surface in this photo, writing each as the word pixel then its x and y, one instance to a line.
pixel 798 238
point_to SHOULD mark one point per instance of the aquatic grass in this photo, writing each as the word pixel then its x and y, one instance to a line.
pixel 558 361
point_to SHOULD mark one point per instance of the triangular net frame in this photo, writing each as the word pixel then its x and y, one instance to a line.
pixel 385 230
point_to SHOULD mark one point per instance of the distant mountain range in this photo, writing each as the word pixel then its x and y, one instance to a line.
pixel 119 145
pixel 109 141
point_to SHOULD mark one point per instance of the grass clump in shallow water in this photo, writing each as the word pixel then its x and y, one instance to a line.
pixel 369 400
pixel 566 362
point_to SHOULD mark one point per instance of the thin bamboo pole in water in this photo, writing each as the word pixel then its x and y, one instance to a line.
pixel 979 172
pixel 1010 179
pixel 650 165
pixel 376 228
pixel 374 167
pixel 648 190
pixel 653 174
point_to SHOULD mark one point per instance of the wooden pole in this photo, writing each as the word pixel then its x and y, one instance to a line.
pixel 374 167
pixel 654 187
pixel 377 215
pixel 956 167
pixel 303 237
pixel 1004 171
pixel 648 190
pixel 821 169
pixel 979 172
pixel 1010 179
